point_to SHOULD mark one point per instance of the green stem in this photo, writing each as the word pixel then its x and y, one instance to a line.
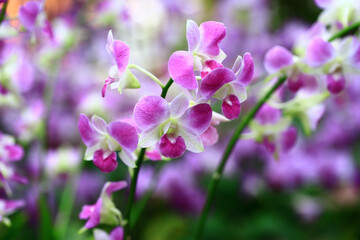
pixel 3 12
pixel 147 73
pixel 134 177
pixel 166 88
pixel 219 171
pixel 345 31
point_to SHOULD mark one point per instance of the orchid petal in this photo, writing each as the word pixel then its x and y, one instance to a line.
pixel 88 134
pixel 197 118
pixel 215 80
pixel 192 35
pixel 89 152
pixel 288 138
pixel 127 158
pixel 28 14
pixel 111 187
pixel 247 70
pixel 172 147
pixel 323 3
pixel 210 136
pixel 239 90
pixel 268 115
pixel 231 107
pixel 15 152
pixel 117 234
pixel 277 58
pixel 237 65
pixel 151 111
pixel 192 141
pixel 319 52
pixel 211 34
pixel 103 162
pixel 124 133
pixel 99 124
pixel 120 53
pixel 149 137
pixel 335 85
pixel 181 69
pixel 179 105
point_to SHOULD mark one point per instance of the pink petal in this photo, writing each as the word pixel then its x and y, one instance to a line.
pixel 192 34
pixel 335 85
pixel 154 155
pixel 355 57
pixel 171 146
pixel 28 14
pixel 208 66
pixel 124 133
pixel 319 52
pixel 211 34
pixel 269 144
pixel 210 136
pixel 92 213
pixel 117 234
pixel 181 69
pixel 215 80
pixel 119 51
pixel 277 58
pixel 105 163
pixel 294 84
pixel 268 115
pixel 288 138
pixel 151 111
pixel 15 152
pixel 88 134
pixel 231 107
pixel 247 70
pixel 111 187
pixel 197 118
pixel 108 81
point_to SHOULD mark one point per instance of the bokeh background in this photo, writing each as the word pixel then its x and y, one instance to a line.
pixel 312 193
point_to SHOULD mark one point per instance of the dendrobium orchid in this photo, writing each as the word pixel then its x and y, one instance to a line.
pixel 120 76
pixel 175 126
pixel 104 140
pixel 229 85
pixel 104 210
pixel 203 45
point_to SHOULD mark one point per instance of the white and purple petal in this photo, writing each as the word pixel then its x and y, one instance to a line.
pixel 89 136
pixel 105 161
pixel 277 58
pixel 192 35
pixel 319 52
pixel 197 118
pixel 211 34
pixel 124 133
pixel 151 111
pixel 179 105
pixel 215 80
pixel 181 69
pixel 247 70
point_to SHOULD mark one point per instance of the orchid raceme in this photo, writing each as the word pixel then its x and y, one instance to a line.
pixel 120 77
pixel 104 140
pixel 175 126
pixel 203 45
pixel 229 85
pixel 104 210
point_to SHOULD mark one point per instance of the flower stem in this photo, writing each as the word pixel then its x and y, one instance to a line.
pixel 219 171
pixel 3 11
pixel 345 31
pixel 134 176
pixel 147 73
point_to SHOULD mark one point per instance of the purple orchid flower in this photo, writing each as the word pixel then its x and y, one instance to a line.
pixel 104 210
pixel 116 234
pixel 9 151
pixel 203 45
pixel 7 207
pixel 120 76
pixel 229 85
pixel 103 140
pixel 175 126
pixel 28 14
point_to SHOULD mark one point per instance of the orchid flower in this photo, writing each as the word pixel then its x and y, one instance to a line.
pixel 336 60
pixel 9 151
pixel 7 207
pixel 229 85
pixel 29 14
pixel 175 126
pixel 104 140
pixel 104 210
pixel 120 76
pixel 116 234
pixel 203 45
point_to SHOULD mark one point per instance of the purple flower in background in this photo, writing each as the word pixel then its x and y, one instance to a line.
pixel 175 126
pixel 116 234
pixel 28 14
pixel 229 85
pixel 7 207
pixel 9 151
pixel 203 45
pixel 104 210
pixel 103 140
